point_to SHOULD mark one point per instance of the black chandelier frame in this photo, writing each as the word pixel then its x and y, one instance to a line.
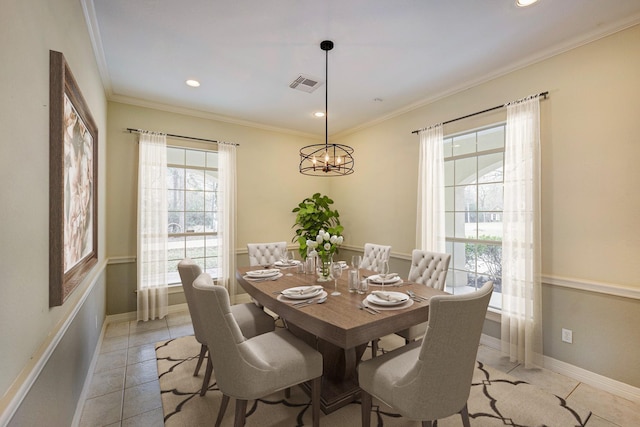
pixel 326 159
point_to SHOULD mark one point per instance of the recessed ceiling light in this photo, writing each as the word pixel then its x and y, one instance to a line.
pixel 525 3
pixel 319 114
pixel 192 83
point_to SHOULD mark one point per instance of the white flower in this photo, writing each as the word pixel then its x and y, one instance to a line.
pixel 319 238
pixel 340 239
pixel 326 236
pixel 327 246
pixel 309 243
pixel 333 239
pixel 313 253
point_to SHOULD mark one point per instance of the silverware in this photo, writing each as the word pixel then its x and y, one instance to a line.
pixel 309 301
pixel 415 297
pixel 368 309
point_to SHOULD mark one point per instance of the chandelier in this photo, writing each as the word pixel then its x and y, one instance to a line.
pixel 326 159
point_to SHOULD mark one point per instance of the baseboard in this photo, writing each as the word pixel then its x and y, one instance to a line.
pixel 601 382
pixel 132 315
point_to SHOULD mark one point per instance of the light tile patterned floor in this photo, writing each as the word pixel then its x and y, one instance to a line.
pixel 125 390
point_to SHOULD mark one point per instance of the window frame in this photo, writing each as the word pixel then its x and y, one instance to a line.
pixel 173 278
pixel 452 239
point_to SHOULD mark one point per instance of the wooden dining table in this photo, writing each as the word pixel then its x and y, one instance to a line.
pixel 338 328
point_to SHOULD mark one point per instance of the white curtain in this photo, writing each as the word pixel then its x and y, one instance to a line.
pixel 430 229
pixel 521 285
pixel 227 217
pixel 152 227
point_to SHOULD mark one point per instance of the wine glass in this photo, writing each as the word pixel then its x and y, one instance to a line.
pixel 336 273
pixel 383 270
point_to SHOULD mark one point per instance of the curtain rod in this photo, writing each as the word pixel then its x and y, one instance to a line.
pixel 185 137
pixel 543 94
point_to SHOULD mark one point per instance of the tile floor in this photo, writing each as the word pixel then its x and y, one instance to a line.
pixel 125 391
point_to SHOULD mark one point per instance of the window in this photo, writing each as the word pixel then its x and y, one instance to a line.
pixel 192 185
pixel 473 164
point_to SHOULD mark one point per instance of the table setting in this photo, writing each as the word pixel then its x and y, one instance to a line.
pixel 263 275
pixel 302 295
pixel 387 300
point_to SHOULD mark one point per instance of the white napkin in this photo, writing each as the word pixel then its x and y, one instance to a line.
pixel 387 297
pixel 302 291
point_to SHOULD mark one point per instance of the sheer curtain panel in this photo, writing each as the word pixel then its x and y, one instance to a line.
pixel 152 227
pixel 227 217
pixel 521 284
pixel 430 228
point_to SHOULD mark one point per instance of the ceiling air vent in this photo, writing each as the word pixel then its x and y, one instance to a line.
pixel 306 83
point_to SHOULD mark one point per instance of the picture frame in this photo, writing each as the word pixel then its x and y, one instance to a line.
pixel 73 183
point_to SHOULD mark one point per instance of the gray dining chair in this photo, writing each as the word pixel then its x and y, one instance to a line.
pixel 430 379
pixel 429 269
pixel 251 368
pixel 265 253
pixel 251 320
pixel 373 254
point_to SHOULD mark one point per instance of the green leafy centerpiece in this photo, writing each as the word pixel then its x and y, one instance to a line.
pixel 315 220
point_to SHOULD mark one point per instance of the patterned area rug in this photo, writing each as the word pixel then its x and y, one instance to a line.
pixel 496 399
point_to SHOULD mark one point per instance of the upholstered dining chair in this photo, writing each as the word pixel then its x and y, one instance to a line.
pixel 265 253
pixel 430 269
pixel 373 254
pixel 247 369
pixel 431 379
pixel 251 319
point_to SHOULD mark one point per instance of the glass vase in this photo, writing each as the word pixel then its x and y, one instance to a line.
pixel 324 269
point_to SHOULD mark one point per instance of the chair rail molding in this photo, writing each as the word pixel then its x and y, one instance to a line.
pixel 592 286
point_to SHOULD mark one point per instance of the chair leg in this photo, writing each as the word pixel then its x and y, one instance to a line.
pixel 316 388
pixel 241 413
pixel 366 409
pixel 203 352
pixel 464 413
pixel 374 348
pixel 223 409
pixel 207 377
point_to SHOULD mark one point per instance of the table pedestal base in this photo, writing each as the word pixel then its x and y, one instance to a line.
pixel 340 378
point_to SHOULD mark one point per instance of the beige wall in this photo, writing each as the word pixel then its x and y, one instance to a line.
pixel 589 160
pixel 28 30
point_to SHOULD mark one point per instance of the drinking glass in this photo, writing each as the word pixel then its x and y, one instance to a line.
pixel 355 261
pixel 336 273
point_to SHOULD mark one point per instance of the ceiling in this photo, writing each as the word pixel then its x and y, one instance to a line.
pixel 389 55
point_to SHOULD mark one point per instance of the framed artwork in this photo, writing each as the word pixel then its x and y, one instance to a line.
pixel 73 173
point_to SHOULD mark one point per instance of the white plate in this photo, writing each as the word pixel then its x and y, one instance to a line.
pixel 263 273
pixel 376 279
pixel 379 301
pixel 291 292
pixel 286 264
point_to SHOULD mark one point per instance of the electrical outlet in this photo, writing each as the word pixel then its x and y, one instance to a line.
pixel 567 335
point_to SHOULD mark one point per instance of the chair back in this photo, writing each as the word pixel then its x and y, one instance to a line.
pixel 373 254
pixel 189 271
pixel 236 365
pixel 439 383
pixel 265 253
pixel 429 268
